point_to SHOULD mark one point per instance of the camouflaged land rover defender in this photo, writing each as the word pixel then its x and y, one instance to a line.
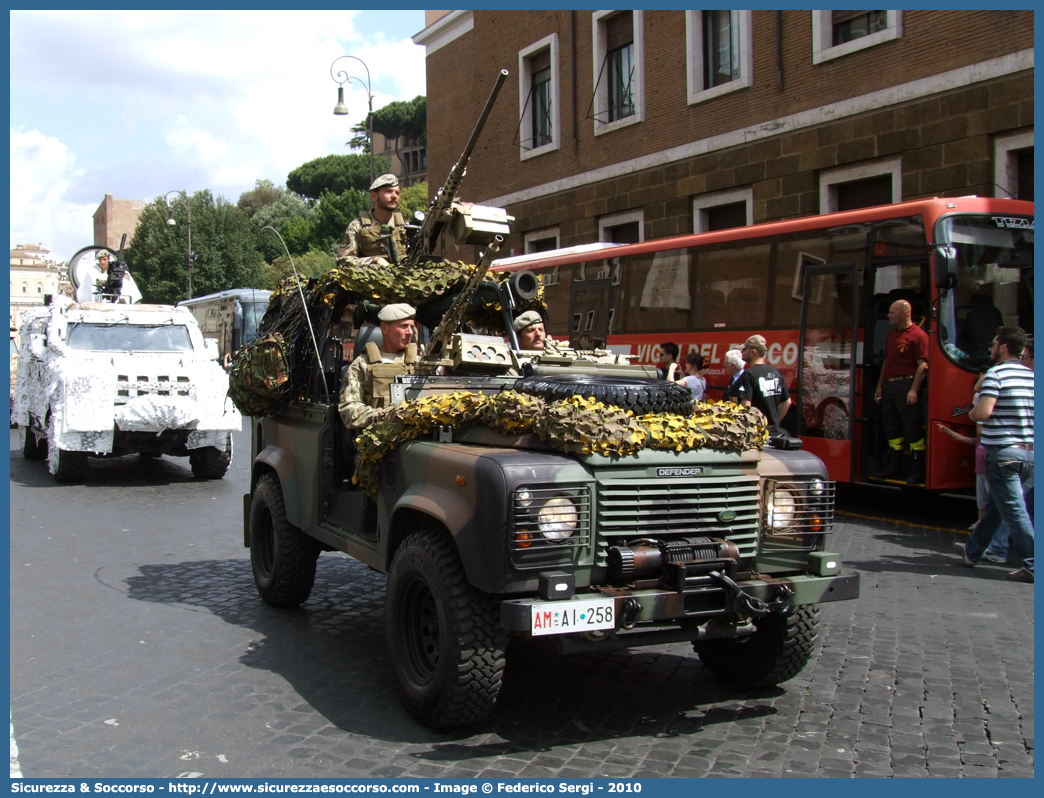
pixel 583 502
pixel 553 494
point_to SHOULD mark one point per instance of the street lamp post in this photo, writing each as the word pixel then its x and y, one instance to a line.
pixel 188 227
pixel 340 78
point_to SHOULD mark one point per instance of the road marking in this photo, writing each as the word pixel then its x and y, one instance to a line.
pixel 16 769
pixel 901 522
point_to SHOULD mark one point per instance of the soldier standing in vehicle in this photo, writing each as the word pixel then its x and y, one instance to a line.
pixel 362 238
pixel 898 393
pixel 398 329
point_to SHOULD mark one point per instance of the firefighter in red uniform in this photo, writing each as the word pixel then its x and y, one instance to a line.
pixel 898 392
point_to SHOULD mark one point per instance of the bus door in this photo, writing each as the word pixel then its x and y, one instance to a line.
pixel 828 350
pixel 589 313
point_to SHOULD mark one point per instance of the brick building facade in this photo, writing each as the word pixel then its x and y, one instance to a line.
pixel 115 217
pixel 630 125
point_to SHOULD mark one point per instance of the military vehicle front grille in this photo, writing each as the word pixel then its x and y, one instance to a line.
pixel 129 386
pixel 651 508
pixel 529 547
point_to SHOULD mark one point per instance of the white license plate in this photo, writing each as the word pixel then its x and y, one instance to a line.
pixel 576 615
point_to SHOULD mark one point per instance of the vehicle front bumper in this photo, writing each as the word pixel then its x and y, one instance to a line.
pixel 634 607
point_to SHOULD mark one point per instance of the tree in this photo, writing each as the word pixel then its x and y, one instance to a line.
pixel 310 264
pixel 264 193
pixel 222 240
pixel 360 139
pixel 414 198
pixel 334 173
pixel 332 215
pixel 289 207
pixel 403 119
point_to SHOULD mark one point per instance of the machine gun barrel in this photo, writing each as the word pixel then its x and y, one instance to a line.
pixel 439 343
pixel 114 277
pixel 440 206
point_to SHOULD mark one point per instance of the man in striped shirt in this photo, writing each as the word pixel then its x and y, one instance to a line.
pixel 1005 410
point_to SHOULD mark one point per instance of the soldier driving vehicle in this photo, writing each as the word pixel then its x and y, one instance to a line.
pixel 513 493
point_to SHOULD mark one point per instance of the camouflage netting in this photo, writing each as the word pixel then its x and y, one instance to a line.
pixel 350 283
pixel 575 426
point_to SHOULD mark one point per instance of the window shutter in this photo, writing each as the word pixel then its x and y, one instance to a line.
pixel 619 30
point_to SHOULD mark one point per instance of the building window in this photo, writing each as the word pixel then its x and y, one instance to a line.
pixel 541 240
pixel 1013 166
pixel 618 69
pixel 39 288
pixel 723 210
pixel 720 53
pixel 538 97
pixel 863 186
pixel 838 33
pixel 622 228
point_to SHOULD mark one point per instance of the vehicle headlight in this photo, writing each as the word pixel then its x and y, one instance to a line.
pixel 558 518
pixel 781 509
pixel 817 486
pixel 524 498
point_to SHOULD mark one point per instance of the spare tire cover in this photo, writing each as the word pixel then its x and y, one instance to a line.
pixel 639 395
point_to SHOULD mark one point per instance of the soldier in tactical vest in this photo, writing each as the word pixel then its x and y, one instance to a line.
pixel 362 238
pixel 360 400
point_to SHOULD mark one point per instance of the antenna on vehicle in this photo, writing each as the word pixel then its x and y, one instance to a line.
pixel 304 303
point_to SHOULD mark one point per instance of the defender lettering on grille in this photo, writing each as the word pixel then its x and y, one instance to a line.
pixel 679 472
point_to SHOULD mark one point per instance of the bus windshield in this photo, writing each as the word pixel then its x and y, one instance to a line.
pixel 994 283
pixel 252 313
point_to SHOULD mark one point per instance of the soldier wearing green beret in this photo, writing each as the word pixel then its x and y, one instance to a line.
pixel 361 239
pixel 398 330
pixel 530 329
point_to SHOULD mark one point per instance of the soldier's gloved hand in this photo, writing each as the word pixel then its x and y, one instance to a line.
pixel 377 260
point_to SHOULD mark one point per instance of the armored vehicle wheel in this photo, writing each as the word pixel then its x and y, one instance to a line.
pixel 210 462
pixel 71 466
pixel 639 395
pixel 282 556
pixel 444 636
pixel 33 448
pixel 777 651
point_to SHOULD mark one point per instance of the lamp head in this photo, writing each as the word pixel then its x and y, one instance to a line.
pixel 340 109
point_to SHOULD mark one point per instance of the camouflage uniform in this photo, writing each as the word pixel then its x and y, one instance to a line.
pixel 360 239
pixel 354 409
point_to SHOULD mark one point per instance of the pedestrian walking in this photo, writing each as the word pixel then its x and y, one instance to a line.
pixel 1005 411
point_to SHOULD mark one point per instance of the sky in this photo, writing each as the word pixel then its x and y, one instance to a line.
pixel 138 103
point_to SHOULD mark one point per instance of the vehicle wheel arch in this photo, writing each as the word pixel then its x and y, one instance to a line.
pixel 279 461
pixel 431 506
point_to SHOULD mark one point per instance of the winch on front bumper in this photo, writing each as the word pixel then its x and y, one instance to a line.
pixel 689 598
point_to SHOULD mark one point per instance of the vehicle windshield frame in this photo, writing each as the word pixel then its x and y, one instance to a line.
pixel 166 337
pixel 987 295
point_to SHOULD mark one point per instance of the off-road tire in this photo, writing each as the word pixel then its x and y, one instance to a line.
pixel 33 448
pixel 639 395
pixel 444 637
pixel 209 462
pixel 779 650
pixel 282 557
pixel 72 466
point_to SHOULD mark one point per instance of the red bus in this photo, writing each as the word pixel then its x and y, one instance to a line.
pixel 818 288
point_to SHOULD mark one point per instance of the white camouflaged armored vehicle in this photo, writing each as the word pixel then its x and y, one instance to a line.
pixel 105 379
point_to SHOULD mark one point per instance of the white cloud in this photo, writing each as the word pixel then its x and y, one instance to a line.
pixel 194 100
pixel 41 167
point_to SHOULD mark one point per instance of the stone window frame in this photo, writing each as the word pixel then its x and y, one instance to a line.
pixel 525 109
pixel 600 102
pixel 617 219
pixel 704 202
pixel 694 56
pixel 830 179
pixel 1005 177
pixel 540 235
pixel 823 48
